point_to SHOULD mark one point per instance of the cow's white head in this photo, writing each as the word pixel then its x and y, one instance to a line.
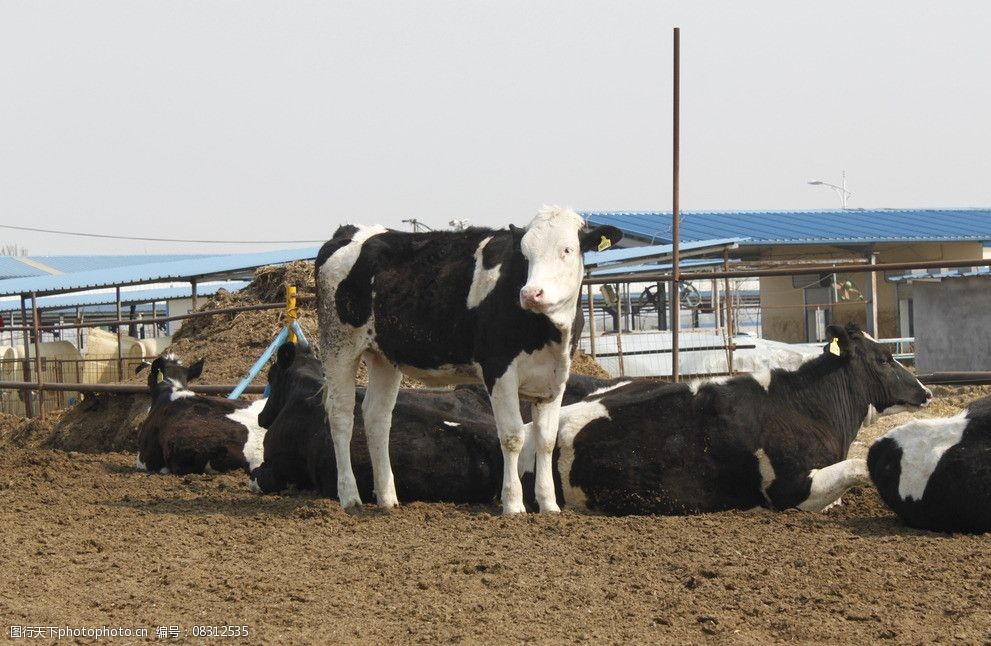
pixel 553 245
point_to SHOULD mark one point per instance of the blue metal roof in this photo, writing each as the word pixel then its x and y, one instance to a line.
pixel 656 253
pixel 25 266
pixel 156 272
pixel 91 299
pixel 11 267
pixel 806 227
pixel 962 272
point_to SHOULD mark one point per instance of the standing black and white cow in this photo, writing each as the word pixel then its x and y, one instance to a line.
pixel 189 433
pixel 936 473
pixel 496 307
pixel 778 439
pixel 444 444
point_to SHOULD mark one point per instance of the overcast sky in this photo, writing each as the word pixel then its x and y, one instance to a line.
pixel 282 120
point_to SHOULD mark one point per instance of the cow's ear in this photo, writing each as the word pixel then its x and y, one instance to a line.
pixel 516 231
pixel 600 238
pixel 195 370
pixel 141 366
pixel 839 341
pixel 287 353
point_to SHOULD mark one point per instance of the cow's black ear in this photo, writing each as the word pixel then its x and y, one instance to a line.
pixel 516 231
pixel 141 366
pixel 195 370
pixel 600 238
pixel 287 353
pixel 839 341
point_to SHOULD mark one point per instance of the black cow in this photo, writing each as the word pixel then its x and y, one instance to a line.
pixel 936 473
pixel 496 307
pixel 445 447
pixel 189 433
pixel 776 440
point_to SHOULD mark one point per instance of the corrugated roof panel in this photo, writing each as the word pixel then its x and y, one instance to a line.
pixel 72 264
pixel 127 296
pixel 11 267
pixel 961 272
pixel 808 227
pixel 153 273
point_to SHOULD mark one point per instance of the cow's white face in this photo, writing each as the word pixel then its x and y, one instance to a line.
pixel 552 248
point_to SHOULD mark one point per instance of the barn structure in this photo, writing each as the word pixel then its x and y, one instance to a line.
pixel 797 309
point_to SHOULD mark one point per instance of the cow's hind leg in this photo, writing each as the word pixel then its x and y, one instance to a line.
pixel 339 370
pixel 544 432
pixel 830 483
pixel 380 399
pixel 506 408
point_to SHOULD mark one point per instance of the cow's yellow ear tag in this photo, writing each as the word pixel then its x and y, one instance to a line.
pixel 834 347
pixel 604 243
pixel 160 378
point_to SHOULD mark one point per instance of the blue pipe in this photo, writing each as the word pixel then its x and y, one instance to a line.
pixel 262 360
pixel 298 329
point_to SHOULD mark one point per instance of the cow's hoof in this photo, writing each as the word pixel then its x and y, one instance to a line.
pixel 550 508
pixel 513 509
pixel 253 486
pixel 350 502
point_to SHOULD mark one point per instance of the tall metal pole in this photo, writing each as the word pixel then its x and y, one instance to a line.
pixel 120 341
pixel 36 327
pixel 675 211
pixel 26 365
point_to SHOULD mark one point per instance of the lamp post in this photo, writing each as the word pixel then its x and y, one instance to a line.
pixel 840 190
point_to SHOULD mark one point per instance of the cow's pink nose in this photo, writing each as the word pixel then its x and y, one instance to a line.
pixel 531 296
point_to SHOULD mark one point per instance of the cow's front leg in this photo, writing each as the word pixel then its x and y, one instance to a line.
pixel 545 425
pixel 506 408
pixel 339 404
pixel 830 483
pixel 380 399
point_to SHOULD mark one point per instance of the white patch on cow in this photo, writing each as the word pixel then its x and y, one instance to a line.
pixel 179 391
pixel 871 417
pixel 762 377
pixel 695 384
pixel 253 486
pixel 141 466
pixel 573 419
pixel 447 423
pixel 164 471
pixel 767 474
pixel 484 280
pixel 923 442
pixel 830 483
pixel 253 449
pixel 338 266
pixel 605 389
pixel 543 373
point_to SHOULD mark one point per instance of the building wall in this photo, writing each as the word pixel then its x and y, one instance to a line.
pixel 951 319
pixel 782 311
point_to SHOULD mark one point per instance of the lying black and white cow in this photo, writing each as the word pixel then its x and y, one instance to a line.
pixel 444 444
pixel 496 307
pixel 936 473
pixel 189 433
pixel 775 440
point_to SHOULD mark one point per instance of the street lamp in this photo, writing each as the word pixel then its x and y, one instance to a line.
pixel 841 190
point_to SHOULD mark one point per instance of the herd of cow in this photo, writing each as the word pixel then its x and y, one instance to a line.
pixel 495 312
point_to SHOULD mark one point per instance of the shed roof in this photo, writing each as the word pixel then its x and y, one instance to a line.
pixel 806 227
pixel 26 266
pixel 655 253
pixel 227 266
pixel 89 299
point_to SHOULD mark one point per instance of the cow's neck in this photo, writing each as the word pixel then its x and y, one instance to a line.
pixel 825 392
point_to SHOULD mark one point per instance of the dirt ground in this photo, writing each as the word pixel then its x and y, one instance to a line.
pixel 87 541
